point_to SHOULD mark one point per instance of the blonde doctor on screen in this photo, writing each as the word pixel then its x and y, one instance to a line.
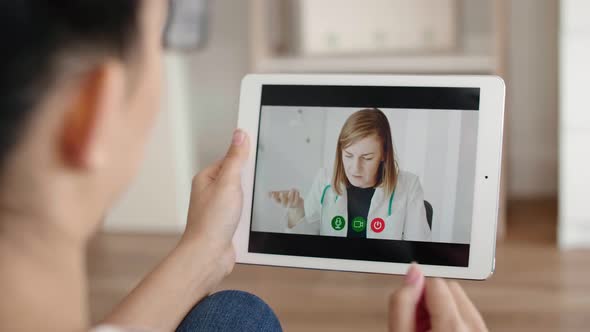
pixel 367 196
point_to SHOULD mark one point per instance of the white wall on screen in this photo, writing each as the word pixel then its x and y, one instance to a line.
pixel 289 152
pixel 466 170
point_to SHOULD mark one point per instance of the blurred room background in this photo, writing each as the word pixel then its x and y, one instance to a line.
pixel 539 47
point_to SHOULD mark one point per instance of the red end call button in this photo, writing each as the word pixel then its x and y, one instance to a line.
pixel 378 225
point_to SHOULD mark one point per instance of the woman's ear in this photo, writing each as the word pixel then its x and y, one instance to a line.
pixel 98 95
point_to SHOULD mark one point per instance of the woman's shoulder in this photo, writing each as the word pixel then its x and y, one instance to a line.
pixel 406 176
pixel 321 185
pixel 407 179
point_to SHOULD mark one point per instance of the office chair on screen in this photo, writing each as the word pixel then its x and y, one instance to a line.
pixel 429 213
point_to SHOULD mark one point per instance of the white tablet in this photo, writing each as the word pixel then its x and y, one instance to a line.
pixel 371 173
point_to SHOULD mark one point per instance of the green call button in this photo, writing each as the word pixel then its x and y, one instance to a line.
pixel 338 223
pixel 359 224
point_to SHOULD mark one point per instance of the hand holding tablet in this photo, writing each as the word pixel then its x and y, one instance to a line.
pixel 387 170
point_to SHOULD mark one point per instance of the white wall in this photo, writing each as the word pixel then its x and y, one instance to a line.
pixel 199 114
pixel 438 146
pixel 574 216
pixel 216 72
pixel 532 96
pixel 289 155
pixel 532 87
pixel 157 200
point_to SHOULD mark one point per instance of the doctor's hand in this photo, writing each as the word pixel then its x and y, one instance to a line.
pixel 432 305
pixel 216 204
pixel 287 198
pixel 290 199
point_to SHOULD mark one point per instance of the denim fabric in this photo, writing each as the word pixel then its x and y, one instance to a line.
pixel 231 311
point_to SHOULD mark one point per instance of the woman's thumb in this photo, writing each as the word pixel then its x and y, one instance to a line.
pixel 236 157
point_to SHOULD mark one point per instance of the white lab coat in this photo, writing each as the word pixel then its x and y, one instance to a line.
pixel 405 220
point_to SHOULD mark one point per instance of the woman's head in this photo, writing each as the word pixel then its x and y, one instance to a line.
pixel 79 91
pixel 364 153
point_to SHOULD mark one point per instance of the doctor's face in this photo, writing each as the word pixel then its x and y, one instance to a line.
pixel 361 161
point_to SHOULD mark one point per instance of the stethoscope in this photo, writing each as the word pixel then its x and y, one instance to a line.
pixel 327 187
pixel 337 196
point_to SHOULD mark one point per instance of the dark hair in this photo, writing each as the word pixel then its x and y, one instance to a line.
pixel 36 36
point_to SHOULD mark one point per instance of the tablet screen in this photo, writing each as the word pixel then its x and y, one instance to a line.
pixel 366 173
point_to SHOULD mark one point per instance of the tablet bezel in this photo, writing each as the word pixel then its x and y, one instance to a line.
pixel 486 191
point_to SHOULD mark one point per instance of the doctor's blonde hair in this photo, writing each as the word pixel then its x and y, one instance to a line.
pixel 359 125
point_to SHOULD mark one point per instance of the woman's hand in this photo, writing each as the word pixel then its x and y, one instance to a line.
pixel 290 199
pixel 432 305
pixel 287 198
pixel 202 258
pixel 216 202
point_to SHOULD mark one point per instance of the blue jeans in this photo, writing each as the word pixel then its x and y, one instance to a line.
pixel 231 311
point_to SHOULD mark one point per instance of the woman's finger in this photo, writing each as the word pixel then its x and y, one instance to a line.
pixel 403 303
pixel 468 311
pixel 275 197
pixel 284 198
pixel 287 198
pixel 296 198
pixel 440 303
pixel 207 176
pixel 290 198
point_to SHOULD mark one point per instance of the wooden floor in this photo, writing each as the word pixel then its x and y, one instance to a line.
pixel 535 287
